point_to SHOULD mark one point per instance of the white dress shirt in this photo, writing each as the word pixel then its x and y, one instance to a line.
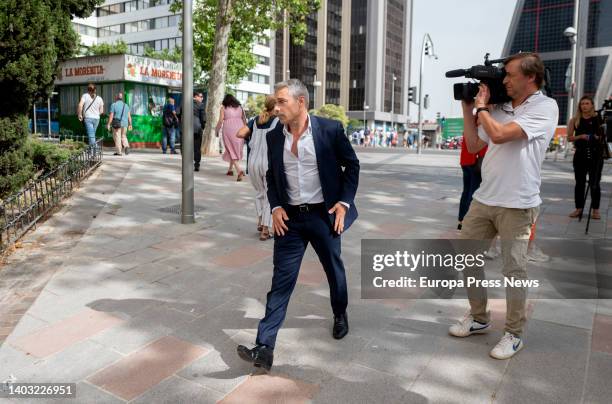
pixel 302 172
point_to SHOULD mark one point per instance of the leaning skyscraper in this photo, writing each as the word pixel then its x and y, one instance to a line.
pixel 538 26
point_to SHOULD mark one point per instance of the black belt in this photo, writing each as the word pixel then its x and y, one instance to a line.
pixel 305 208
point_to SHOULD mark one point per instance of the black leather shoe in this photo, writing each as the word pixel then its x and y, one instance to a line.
pixel 341 327
pixel 261 356
pixel 196 168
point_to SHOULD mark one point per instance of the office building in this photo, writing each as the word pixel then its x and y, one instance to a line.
pixel 538 26
pixel 151 23
pixel 356 53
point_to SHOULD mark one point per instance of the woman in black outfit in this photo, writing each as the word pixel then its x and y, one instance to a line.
pixel 585 130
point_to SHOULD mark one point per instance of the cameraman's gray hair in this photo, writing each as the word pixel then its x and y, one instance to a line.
pixel 296 89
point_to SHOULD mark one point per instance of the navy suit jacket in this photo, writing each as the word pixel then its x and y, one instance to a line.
pixel 336 160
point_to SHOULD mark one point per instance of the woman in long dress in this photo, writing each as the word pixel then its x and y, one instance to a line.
pixel 232 119
pixel 256 132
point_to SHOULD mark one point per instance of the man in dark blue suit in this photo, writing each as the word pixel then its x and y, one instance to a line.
pixel 312 177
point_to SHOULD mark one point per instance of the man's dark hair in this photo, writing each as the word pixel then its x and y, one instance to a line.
pixel 196 93
pixel 531 65
pixel 230 101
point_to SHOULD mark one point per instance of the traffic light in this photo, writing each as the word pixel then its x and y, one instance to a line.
pixel 427 48
pixel 412 96
pixel 438 116
pixel 426 101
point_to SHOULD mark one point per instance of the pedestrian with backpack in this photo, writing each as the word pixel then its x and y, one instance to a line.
pixel 169 124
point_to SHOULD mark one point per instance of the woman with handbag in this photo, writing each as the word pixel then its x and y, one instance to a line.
pixel 120 120
pixel 89 110
pixel 256 132
pixel 586 131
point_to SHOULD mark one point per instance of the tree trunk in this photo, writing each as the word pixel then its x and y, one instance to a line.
pixel 216 84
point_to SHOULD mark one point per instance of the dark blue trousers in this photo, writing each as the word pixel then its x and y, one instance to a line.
pixel 310 227
pixel 471 182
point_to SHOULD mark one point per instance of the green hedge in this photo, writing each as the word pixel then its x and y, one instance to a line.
pixel 16 167
pixel 20 161
pixel 47 156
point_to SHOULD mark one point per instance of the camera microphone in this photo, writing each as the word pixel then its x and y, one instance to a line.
pixel 457 73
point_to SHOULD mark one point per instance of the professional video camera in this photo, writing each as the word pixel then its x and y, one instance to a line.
pixel 492 76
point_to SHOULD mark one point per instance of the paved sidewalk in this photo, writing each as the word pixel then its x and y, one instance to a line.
pixel 115 295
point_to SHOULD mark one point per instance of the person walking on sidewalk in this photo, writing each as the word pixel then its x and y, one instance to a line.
pixel 517 133
pixel 256 131
pixel 471 164
pixel 199 122
pixel 585 129
pixel 312 177
pixel 89 110
pixel 120 120
pixel 231 120
pixel 169 124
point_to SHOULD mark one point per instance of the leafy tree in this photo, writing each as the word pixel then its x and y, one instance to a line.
pixel 107 48
pixel 355 123
pixel 35 36
pixel 332 111
pixel 224 33
pixel 254 105
pixel 174 55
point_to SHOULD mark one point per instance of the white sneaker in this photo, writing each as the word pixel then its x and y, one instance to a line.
pixel 468 326
pixel 535 254
pixel 507 347
pixel 492 253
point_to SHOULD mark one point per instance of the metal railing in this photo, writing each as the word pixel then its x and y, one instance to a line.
pixel 21 211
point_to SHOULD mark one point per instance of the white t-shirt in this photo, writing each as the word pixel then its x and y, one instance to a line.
pixel 511 171
pixel 93 111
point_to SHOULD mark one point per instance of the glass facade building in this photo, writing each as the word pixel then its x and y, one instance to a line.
pixel 538 26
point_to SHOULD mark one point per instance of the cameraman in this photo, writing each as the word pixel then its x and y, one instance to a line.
pixel 586 131
pixel 517 134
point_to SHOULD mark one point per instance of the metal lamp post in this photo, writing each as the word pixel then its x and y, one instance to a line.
pixel 187 208
pixel 365 108
pixel 393 101
pixel 316 85
pixel 572 34
pixel 426 50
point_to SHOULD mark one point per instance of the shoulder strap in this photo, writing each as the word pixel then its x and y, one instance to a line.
pixel 122 111
pixel 92 102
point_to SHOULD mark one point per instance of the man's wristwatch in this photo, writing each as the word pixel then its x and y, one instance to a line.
pixel 478 110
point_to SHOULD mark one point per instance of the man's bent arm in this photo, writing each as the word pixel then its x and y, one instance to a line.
pixel 500 133
pixel 272 193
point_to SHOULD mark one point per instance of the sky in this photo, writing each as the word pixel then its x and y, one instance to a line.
pixel 462 31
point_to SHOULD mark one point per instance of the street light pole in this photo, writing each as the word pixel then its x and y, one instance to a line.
pixel 393 101
pixel 365 107
pixel 316 84
pixel 427 43
pixel 572 34
pixel 187 208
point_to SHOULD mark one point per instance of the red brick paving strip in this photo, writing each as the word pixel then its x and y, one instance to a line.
pixel 264 389
pixel 242 257
pixel 65 333
pixel 311 273
pixel 602 333
pixel 139 371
